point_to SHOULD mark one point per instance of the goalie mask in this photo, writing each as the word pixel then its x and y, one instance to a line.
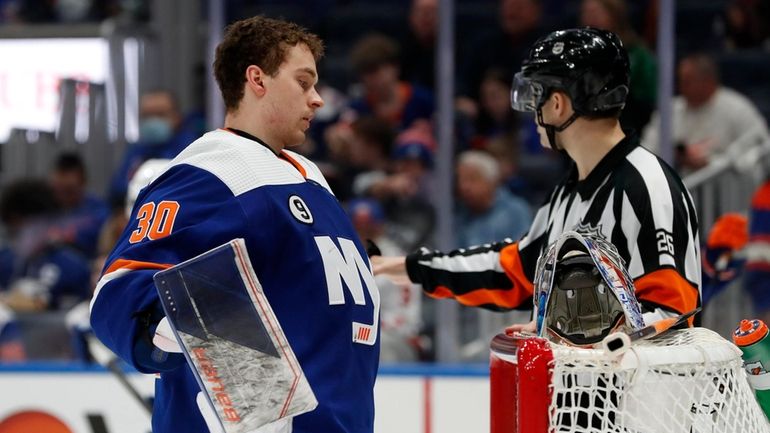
pixel 583 292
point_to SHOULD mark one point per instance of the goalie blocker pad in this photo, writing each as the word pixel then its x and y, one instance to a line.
pixel 232 340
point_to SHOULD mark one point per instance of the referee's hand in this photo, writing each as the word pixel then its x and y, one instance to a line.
pixel 526 328
pixel 393 268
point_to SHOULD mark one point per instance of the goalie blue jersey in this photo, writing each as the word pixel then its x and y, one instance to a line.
pixel 303 248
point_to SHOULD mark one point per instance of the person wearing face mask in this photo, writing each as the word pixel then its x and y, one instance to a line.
pixel 577 81
pixel 163 133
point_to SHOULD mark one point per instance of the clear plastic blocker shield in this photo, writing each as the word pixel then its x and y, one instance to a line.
pixel 232 340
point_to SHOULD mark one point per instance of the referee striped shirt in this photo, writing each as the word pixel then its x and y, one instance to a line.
pixel 631 198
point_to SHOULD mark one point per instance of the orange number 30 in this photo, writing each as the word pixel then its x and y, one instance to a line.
pixel 155 222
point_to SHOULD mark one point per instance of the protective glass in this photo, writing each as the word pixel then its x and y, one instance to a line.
pixel 582 296
pixel 526 95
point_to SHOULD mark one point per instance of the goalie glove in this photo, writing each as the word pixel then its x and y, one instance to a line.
pixel 164 338
pixel 147 354
pixel 721 261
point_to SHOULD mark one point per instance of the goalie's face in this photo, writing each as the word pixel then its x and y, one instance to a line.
pixel 291 98
pixel 582 309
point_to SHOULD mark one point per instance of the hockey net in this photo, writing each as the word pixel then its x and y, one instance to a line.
pixel 688 381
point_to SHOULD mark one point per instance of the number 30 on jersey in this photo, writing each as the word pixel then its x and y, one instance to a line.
pixel 154 221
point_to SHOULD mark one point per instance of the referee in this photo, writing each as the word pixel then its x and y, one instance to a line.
pixel 576 81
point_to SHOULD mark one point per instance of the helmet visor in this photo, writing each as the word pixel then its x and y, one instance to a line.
pixel 526 95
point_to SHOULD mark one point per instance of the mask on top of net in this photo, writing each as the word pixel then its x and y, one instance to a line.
pixel 583 292
pixel 590 65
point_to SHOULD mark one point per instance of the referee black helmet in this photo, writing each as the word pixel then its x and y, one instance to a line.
pixel 588 64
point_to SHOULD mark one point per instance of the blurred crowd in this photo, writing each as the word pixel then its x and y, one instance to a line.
pixel 375 137
pixel 71 11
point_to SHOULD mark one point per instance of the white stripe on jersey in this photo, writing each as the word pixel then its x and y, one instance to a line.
pixel 630 225
pixel 758 251
pixel 539 225
pixel 488 261
pixel 661 205
pixel 312 170
pixel 103 282
pixel 242 164
pixel 574 217
pixel 578 211
pixel 607 224
pixel 557 218
pixel 692 259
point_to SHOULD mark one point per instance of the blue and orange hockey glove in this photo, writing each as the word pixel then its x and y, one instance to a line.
pixel 721 264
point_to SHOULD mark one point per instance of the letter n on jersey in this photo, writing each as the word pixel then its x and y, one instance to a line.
pixel 346 264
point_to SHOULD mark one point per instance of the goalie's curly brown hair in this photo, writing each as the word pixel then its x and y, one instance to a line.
pixel 257 41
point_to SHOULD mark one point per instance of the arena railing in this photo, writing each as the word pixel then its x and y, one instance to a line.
pixel 727 184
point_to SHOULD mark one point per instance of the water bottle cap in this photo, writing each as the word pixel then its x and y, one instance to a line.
pixel 749 332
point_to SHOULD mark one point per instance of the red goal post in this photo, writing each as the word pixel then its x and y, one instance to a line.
pixel 685 381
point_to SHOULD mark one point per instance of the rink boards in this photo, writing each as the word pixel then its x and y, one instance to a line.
pixel 72 398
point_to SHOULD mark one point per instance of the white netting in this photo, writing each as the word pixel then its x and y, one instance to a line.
pixel 688 381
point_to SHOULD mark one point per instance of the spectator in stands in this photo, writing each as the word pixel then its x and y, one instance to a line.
pixel 404 191
pixel 740 246
pixel 400 304
pixel 747 23
pixel 495 116
pixel 612 15
pixel 63 11
pixel 11 341
pixel 527 174
pixel 707 117
pixel 163 133
pixel 9 11
pixel 23 204
pixel 413 155
pixel 46 274
pixel 34 11
pixel 512 137
pixel 721 260
pixel 650 20
pixel 504 47
pixel 360 149
pixel 315 146
pixel 756 280
pixel 486 211
pixel 81 214
pixel 369 153
pixel 375 59
pixel 505 150
pixel 397 103
pixel 73 11
pixel 418 48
